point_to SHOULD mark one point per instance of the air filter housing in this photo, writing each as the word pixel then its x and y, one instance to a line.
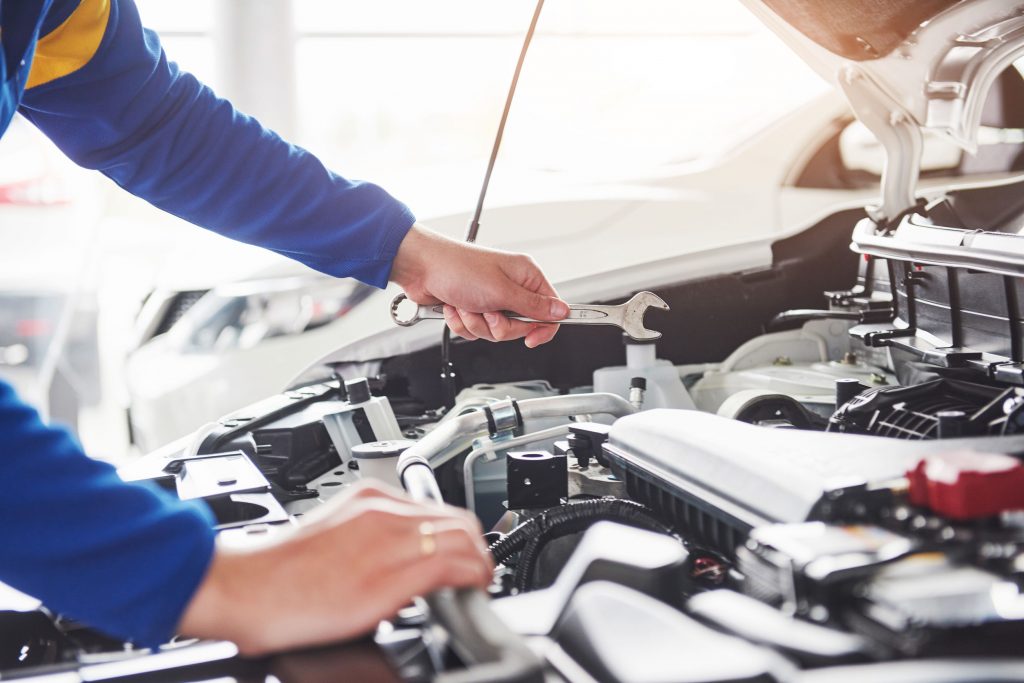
pixel 941 408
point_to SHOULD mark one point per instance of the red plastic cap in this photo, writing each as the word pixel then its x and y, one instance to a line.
pixel 968 484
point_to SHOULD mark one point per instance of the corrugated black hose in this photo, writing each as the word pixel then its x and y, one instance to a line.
pixel 530 538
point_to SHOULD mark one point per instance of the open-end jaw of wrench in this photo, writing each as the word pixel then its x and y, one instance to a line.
pixel 629 316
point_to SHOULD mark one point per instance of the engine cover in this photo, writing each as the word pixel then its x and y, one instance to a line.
pixel 717 478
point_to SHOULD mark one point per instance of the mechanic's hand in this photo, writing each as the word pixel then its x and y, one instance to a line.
pixel 354 561
pixel 475 284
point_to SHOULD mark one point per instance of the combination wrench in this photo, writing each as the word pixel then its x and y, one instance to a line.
pixel 628 316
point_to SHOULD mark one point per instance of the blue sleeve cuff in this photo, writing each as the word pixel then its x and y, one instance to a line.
pixel 398 220
pixel 123 558
pixel 189 556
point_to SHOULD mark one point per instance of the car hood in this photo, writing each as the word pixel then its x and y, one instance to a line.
pixel 932 61
pixel 858 30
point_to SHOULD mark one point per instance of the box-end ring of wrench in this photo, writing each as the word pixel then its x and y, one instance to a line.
pixel 628 316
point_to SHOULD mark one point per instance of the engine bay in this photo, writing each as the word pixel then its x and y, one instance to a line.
pixel 843 489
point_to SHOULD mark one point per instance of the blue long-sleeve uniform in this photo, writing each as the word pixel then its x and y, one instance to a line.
pixel 123 557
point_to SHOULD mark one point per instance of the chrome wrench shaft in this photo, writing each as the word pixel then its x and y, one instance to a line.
pixel 628 316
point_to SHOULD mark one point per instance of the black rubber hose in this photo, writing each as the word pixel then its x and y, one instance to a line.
pixel 633 514
pixel 526 565
pixel 580 514
pixel 530 537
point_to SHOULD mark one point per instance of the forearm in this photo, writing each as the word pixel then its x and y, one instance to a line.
pixel 228 603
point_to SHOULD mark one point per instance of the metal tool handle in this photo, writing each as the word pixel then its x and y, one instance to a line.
pixel 592 314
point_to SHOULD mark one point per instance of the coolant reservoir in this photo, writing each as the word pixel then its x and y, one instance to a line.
pixel 665 389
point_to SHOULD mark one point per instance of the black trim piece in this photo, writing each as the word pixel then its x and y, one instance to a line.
pixel 891 267
pixel 288 403
pixel 519 414
pixel 955 309
pixel 701 513
pixel 1013 313
pixel 492 426
pixel 910 279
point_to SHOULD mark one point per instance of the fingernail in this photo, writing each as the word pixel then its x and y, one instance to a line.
pixel 491 318
pixel 559 309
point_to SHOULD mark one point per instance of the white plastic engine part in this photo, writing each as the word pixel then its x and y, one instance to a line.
pixel 378 460
pixel 665 388
pixel 807 383
pixel 795 363
pixel 818 340
pixel 342 429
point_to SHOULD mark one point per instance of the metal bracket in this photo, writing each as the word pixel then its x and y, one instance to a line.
pixel 961 81
pixel 898 134
pixel 503 418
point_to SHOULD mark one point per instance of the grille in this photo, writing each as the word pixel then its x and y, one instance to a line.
pixel 709 528
pixel 180 303
pixel 912 412
pixel 917 420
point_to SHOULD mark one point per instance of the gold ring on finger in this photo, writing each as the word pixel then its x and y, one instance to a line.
pixel 428 539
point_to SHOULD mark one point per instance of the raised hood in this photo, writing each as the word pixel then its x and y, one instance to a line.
pixel 905 66
pixel 859 30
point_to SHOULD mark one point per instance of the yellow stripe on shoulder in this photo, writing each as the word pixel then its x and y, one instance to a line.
pixel 71 45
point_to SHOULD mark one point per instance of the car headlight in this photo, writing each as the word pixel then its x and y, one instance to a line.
pixel 241 315
pixel 15 354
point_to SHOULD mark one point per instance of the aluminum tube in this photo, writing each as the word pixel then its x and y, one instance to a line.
pixel 419 481
pixel 457 435
pixel 575 404
pixel 445 442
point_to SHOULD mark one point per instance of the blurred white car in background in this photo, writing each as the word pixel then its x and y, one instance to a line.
pixel 48 217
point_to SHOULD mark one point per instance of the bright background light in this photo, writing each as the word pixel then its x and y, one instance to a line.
pixel 387 90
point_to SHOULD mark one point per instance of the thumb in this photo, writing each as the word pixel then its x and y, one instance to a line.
pixel 538 306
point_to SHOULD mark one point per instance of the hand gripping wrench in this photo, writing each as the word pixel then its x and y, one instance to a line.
pixel 629 316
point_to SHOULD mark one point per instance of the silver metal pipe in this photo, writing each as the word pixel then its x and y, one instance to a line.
pixel 575 404
pixel 455 436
